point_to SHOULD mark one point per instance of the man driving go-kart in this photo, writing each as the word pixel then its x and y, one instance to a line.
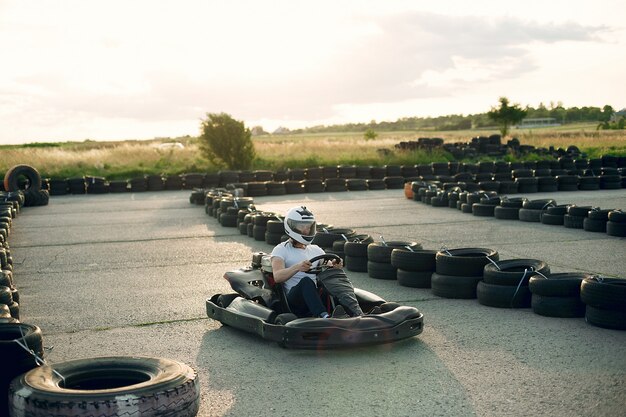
pixel 291 265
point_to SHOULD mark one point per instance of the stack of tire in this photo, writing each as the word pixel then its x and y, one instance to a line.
pixel 25 178
pixel 616 226
pixel 379 258
pixel 332 239
pixel 96 185
pixel 414 267
pixel 554 215
pixel 532 210
pixel 458 271
pixel 508 209
pixel 575 217
pixel 557 295
pixel 339 245
pixel 9 296
pixel 596 220
pixel 505 283
pixel 355 254
pixel 605 301
pixel 259 221
pixel 274 231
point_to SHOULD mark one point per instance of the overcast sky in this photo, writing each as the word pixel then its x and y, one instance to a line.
pixel 107 70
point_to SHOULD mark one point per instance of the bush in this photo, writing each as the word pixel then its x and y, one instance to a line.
pixel 226 142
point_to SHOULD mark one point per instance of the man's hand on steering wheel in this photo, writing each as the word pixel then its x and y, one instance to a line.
pixel 330 260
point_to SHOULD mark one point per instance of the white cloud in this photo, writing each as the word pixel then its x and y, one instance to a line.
pixel 150 65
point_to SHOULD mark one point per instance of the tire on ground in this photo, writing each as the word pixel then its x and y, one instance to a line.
pixel 503 296
pixel 108 386
pixel 12 176
pixel 604 293
pixel 511 272
pixel 464 261
pixel 454 286
pixel 557 306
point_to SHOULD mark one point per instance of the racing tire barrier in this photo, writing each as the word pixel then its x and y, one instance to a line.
pixel 108 387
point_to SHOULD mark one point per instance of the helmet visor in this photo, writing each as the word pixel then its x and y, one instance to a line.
pixel 303 227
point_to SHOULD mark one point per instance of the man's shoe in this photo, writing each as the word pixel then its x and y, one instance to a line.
pixel 339 313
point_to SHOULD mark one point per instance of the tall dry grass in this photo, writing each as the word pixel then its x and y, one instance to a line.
pixel 126 159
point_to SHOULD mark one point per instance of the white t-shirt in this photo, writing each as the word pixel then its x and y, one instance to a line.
pixel 291 256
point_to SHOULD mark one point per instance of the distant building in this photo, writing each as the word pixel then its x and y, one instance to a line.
pixel 280 131
pixel 258 131
pixel 529 123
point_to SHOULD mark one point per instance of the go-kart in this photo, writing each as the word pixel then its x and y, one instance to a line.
pixel 259 306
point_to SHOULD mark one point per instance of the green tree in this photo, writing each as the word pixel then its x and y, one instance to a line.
pixel 506 115
pixel 370 134
pixel 226 142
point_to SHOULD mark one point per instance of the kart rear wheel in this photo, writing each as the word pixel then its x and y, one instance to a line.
pixel 224 300
pixel 284 318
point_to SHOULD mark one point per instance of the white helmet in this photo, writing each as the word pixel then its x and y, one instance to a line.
pixel 300 225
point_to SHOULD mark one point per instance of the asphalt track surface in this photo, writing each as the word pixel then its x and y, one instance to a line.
pixel 128 274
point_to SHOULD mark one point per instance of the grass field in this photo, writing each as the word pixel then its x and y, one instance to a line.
pixel 122 160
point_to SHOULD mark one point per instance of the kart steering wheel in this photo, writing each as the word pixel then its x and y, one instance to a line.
pixel 327 257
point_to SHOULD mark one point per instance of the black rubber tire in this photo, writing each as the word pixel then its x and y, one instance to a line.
pixel 530 215
pixel 593 225
pixel 453 286
pixel 565 284
pixel 356 249
pixel 552 219
pixel 108 386
pixel 228 220
pixel 483 210
pixel 573 222
pixel 11 178
pixel 506 213
pixel 414 279
pixel 608 319
pixel 224 300
pixel 511 271
pixel 326 240
pixel 466 208
pixel 380 252
pixel 604 293
pixel 579 211
pixel 381 270
pixel 250 229
pixel 356 263
pixel 565 307
pixel 284 318
pixel 5 295
pixel 559 210
pixel 275 226
pixel 464 262
pixel 4 311
pixel 617 216
pixel 273 238
pixel 258 232
pixel 616 229
pixel 541 204
pixel 503 296
pixel 419 260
